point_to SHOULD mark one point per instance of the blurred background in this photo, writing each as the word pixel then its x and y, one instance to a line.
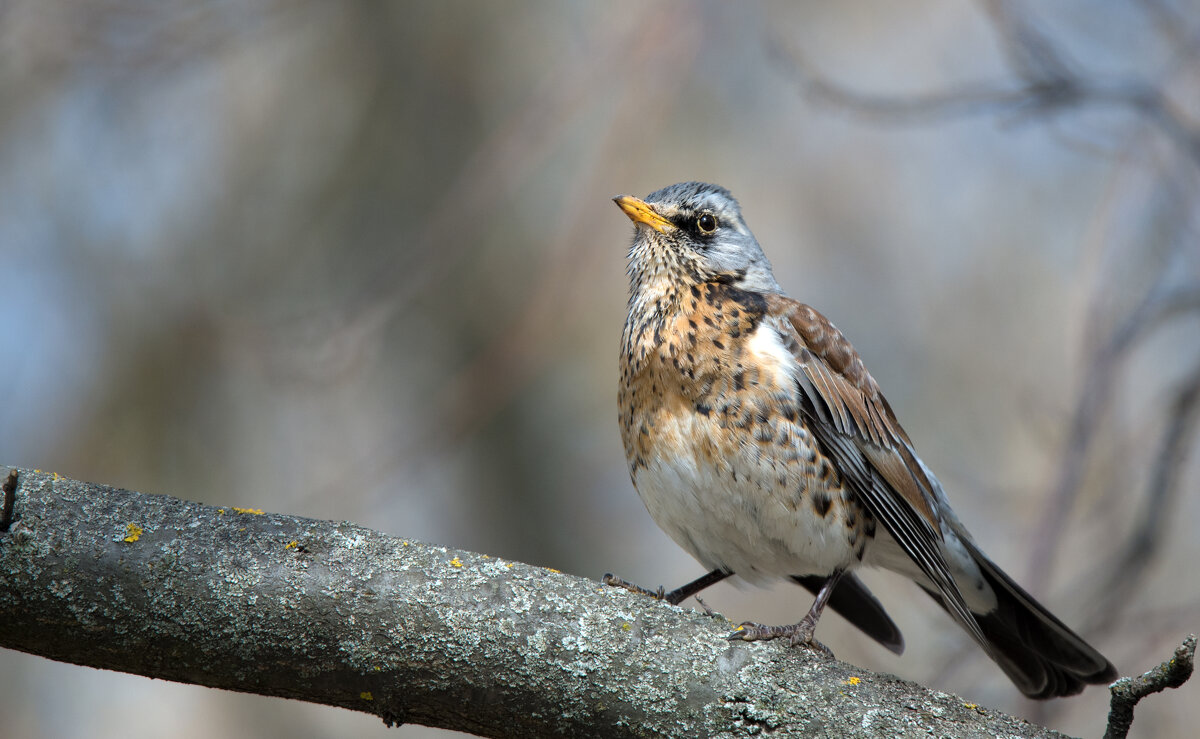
pixel 359 261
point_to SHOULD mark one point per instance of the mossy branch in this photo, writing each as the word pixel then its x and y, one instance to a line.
pixel 1129 691
pixel 337 614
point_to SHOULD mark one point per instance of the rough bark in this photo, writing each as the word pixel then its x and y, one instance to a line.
pixel 1129 691
pixel 337 614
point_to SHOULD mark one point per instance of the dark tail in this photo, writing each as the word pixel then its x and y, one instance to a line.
pixel 1040 654
pixel 860 607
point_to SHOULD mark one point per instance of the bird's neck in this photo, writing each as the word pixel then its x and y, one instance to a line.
pixel 664 314
pixel 652 303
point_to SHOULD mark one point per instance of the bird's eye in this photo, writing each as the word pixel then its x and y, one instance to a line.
pixel 707 223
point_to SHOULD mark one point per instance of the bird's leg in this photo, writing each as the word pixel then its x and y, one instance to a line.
pixel 800 633
pixel 676 596
pixel 681 593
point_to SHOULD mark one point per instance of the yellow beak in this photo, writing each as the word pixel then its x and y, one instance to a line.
pixel 639 211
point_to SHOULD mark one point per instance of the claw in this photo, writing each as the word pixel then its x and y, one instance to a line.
pixel 800 634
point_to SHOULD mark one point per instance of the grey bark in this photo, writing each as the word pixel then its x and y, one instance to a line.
pixel 1129 691
pixel 338 614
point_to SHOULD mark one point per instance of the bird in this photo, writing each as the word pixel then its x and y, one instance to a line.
pixel 759 442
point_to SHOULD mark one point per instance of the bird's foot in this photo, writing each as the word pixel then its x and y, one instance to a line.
pixel 801 634
pixel 616 582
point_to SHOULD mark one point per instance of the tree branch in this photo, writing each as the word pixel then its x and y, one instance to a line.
pixel 1129 691
pixel 337 614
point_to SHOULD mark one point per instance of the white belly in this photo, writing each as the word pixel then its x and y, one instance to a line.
pixel 733 511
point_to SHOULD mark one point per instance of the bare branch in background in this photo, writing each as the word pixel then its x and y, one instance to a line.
pixel 1045 84
pixel 1171 25
pixel 1162 498
pixel 1095 394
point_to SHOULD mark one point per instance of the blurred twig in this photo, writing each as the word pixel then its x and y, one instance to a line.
pixel 1047 84
pixel 1156 309
pixel 1162 495
pixel 1172 25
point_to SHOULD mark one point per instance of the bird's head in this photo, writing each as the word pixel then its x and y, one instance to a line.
pixel 691 233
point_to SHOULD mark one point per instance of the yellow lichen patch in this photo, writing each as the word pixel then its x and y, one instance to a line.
pixel 852 681
pixel 509 565
pixel 366 695
pixel 971 706
pixel 292 544
pixel 254 511
pixel 626 626
pixel 404 543
pixel 557 572
pixel 220 511
pixel 456 562
pixel 55 474
pixel 133 532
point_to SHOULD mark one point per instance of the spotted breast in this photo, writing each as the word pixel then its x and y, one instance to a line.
pixel 716 445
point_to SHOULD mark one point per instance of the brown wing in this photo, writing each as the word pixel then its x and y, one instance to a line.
pixel 857 428
pixel 854 404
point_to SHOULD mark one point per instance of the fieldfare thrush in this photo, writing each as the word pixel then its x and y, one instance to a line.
pixel 759 442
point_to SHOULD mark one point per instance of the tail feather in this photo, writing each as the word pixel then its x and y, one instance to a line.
pixel 858 605
pixel 1038 652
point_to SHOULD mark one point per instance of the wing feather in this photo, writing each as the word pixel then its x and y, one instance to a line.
pixel 852 421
